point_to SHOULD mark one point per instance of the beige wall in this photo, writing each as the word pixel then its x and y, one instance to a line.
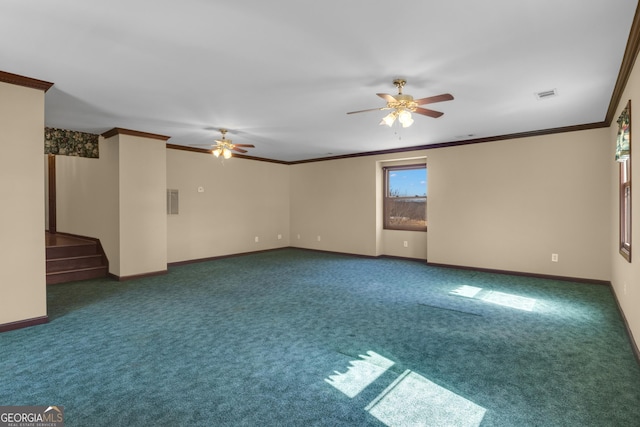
pixel 335 202
pixel 504 205
pixel 625 276
pixel 143 218
pixel 509 205
pixel 88 200
pixel 22 253
pixel 341 202
pixel 240 200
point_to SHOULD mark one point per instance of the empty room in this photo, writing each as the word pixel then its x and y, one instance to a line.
pixel 338 213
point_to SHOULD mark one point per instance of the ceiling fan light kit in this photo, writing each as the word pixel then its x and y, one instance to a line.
pixel 224 151
pixel 225 147
pixel 402 105
pixel 403 116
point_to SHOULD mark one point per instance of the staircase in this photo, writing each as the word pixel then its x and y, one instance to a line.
pixel 71 258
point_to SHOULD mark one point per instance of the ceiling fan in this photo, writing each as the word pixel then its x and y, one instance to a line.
pixel 225 146
pixel 403 105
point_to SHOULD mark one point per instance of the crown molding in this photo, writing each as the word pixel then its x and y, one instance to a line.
pixel 542 132
pixel 239 156
pixel 187 148
pixel 24 81
pixel 462 142
pixel 121 131
pixel 628 61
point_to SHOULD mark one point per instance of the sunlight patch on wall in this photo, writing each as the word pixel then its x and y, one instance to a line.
pixel 494 297
pixel 360 373
pixel 413 400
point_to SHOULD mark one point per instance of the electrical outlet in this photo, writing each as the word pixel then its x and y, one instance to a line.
pixel 405 244
pixel 279 236
pixel 257 239
pixel 319 238
pixel 298 237
pixel 554 257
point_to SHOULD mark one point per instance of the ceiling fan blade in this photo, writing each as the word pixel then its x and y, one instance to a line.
pixel 239 150
pixel 432 99
pixel 430 113
pixel 386 97
pixel 245 145
pixel 364 111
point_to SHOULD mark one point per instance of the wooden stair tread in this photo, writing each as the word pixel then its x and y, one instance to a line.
pixel 55 240
pixel 98 267
pixel 76 262
pixel 75 257
pixel 76 275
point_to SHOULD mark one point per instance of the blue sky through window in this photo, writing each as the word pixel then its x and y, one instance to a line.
pixel 408 182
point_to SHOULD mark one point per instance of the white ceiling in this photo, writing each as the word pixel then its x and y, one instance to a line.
pixel 282 74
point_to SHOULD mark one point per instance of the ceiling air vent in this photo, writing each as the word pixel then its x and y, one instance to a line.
pixel 546 94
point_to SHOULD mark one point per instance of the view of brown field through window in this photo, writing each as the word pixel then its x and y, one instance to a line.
pixel 405 197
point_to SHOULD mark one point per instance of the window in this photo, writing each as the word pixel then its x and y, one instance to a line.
pixel 623 157
pixel 625 208
pixel 405 197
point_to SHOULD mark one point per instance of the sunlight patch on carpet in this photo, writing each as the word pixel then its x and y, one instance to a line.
pixel 360 373
pixel 494 297
pixel 466 291
pixel 410 400
pixel 509 300
pixel 413 400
